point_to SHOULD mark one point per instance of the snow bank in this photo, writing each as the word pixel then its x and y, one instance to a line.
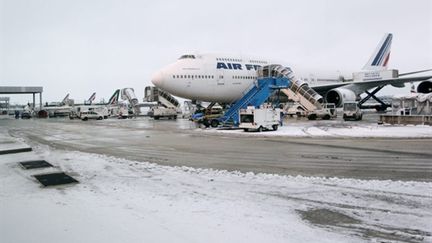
pixel 336 130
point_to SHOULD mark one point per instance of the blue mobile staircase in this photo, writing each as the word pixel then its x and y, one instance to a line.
pixel 256 95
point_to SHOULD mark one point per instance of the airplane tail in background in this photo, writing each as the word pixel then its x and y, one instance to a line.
pixel 65 99
pixel 114 98
pixel 92 98
pixel 380 57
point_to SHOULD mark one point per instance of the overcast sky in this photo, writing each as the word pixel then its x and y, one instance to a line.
pixel 82 46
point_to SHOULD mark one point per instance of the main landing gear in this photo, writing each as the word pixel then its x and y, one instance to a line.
pixel 382 106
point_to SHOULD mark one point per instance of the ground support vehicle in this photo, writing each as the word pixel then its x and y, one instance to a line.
pixel 351 111
pixel 86 115
pixel 158 112
pixel 260 119
pixel 327 112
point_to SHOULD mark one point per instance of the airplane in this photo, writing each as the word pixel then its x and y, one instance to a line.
pixel 54 109
pixel 64 102
pixel 67 105
pixel 223 79
pixel 104 108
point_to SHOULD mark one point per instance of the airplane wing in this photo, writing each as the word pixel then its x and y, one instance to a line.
pixel 361 86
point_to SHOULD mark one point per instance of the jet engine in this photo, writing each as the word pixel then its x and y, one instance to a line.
pixel 425 87
pixel 340 95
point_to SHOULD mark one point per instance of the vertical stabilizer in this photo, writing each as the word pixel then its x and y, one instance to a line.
pixel 114 98
pixel 381 55
pixel 92 98
pixel 65 99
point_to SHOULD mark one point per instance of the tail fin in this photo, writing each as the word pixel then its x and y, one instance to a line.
pixel 114 98
pixel 92 98
pixel 65 99
pixel 381 55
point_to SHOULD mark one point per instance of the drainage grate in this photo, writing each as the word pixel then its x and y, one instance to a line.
pixel 55 179
pixel 14 151
pixel 35 164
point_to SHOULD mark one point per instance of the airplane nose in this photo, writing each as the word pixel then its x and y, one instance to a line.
pixel 157 79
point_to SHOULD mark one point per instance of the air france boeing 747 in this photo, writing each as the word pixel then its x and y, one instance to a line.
pixel 224 78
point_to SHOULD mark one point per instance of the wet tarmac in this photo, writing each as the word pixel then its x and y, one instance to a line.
pixel 180 143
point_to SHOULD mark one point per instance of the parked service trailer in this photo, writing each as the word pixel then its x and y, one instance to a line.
pixel 163 112
pixel 406 119
pixel 253 119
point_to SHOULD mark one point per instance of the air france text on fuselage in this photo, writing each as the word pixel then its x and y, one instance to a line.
pixel 236 66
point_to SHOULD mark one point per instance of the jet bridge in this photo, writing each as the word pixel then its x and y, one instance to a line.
pixel 129 95
pixel 271 78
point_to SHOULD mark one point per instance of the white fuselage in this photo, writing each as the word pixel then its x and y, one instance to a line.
pixel 220 78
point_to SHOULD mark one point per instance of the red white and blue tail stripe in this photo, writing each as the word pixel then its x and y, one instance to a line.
pixel 381 56
pixel 92 98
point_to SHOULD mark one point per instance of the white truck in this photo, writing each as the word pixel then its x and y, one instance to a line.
pixel 351 111
pixel 99 109
pixel 86 115
pixel 327 112
pixel 158 112
pixel 253 119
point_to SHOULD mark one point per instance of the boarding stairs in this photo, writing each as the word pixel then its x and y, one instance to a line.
pixel 154 94
pixel 299 91
pixel 256 95
pixel 304 103
pixel 129 95
pixel 269 79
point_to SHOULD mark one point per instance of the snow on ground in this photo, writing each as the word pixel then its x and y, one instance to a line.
pixel 338 129
pixel 118 200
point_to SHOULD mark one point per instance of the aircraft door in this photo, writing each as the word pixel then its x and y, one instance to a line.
pixel 220 79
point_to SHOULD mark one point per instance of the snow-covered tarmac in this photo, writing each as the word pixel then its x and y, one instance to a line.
pixel 120 200
pixel 341 129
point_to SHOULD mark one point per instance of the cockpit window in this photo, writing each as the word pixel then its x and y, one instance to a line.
pixel 187 57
